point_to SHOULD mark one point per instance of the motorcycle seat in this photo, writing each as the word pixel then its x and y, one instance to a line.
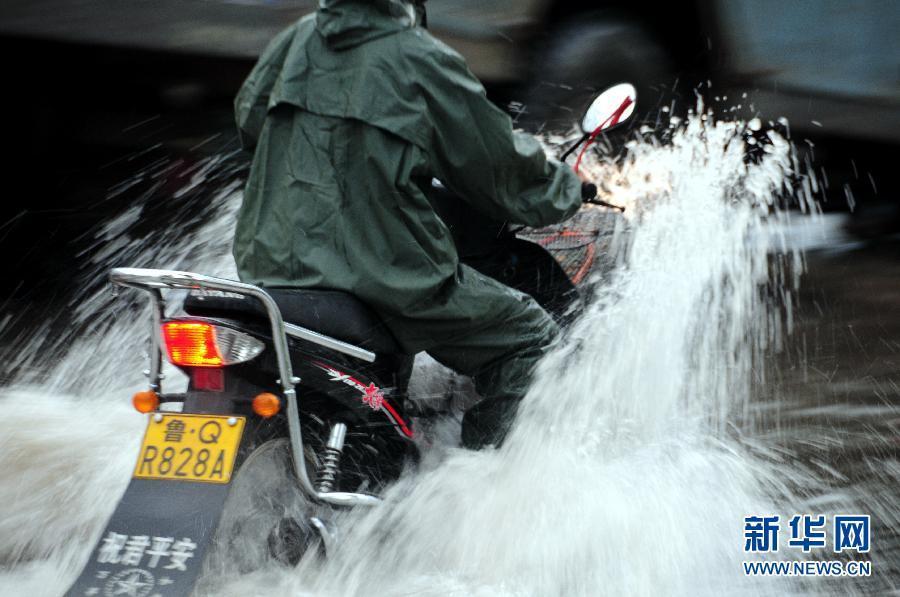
pixel 330 312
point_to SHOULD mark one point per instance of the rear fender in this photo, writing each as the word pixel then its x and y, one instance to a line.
pixel 160 533
pixel 173 519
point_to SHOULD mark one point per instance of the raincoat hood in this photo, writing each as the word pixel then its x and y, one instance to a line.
pixel 348 23
pixel 319 65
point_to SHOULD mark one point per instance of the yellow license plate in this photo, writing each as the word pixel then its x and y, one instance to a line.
pixel 183 447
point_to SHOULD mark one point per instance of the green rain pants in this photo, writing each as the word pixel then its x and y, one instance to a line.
pixel 489 332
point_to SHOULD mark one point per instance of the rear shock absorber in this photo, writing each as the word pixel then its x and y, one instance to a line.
pixel 331 459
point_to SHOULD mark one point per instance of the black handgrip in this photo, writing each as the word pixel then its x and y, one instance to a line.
pixel 589 195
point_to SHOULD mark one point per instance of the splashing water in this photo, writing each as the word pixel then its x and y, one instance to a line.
pixel 619 461
pixel 68 437
pixel 629 470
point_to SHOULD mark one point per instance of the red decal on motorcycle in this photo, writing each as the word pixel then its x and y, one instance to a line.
pixel 398 419
pixel 372 396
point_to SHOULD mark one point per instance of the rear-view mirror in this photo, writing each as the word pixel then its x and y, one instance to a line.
pixel 611 108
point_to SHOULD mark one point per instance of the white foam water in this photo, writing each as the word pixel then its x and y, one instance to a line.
pixel 630 468
pixel 620 476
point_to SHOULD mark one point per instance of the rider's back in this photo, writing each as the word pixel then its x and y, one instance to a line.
pixel 334 197
pixel 352 112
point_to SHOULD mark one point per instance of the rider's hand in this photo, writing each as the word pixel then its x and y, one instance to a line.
pixel 588 191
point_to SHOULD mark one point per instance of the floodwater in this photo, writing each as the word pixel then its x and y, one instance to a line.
pixel 708 380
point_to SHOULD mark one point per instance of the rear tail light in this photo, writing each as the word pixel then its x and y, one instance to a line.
pixel 201 344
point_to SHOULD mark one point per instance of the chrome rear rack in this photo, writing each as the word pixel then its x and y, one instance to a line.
pixel 153 281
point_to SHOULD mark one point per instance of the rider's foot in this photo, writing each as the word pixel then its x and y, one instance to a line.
pixel 488 422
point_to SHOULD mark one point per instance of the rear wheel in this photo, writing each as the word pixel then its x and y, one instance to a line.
pixel 266 517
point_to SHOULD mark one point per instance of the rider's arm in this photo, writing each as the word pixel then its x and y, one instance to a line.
pixel 478 156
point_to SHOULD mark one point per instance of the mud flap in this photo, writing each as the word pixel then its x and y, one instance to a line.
pixel 156 541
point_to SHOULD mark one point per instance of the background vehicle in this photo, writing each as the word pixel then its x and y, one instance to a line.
pixel 827 61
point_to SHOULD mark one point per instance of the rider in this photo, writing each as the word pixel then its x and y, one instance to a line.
pixel 351 112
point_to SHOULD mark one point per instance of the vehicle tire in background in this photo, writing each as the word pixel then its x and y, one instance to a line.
pixel 585 55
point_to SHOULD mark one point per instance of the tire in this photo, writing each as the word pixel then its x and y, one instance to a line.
pixel 265 518
pixel 582 58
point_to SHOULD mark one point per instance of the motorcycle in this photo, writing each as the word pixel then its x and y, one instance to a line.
pixel 296 408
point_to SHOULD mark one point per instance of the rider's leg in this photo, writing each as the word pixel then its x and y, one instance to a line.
pixel 488 331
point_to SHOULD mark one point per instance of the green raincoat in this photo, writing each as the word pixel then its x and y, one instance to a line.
pixel 351 112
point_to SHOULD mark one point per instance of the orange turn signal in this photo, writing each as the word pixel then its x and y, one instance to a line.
pixel 146 401
pixel 266 405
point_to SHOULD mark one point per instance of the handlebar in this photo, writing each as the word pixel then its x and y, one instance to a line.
pixel 589 195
